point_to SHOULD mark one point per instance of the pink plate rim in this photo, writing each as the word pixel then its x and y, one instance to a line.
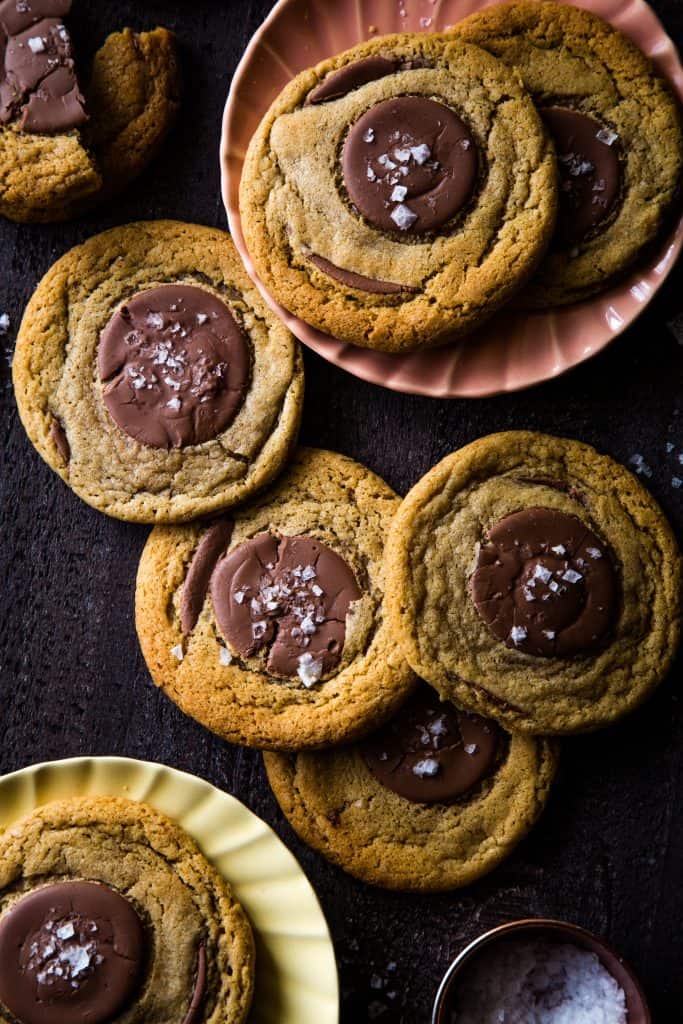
pixel 514 350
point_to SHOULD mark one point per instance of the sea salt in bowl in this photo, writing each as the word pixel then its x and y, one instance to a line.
pixel 537 930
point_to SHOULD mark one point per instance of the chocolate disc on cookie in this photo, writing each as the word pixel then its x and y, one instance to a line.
pixel 545 584
pixel 268 625
pixel 175 366
pixel 534 581
pixel 157 402
pixel 433 800
pixel 437 175
pixel 431 752
pixel 617 133
pixel 73 950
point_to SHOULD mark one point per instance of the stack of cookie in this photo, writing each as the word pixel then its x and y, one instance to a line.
pixel 399 194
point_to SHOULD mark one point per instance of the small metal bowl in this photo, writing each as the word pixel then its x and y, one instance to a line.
pixel 558 931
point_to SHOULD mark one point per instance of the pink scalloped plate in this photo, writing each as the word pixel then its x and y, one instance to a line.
pixel 514 350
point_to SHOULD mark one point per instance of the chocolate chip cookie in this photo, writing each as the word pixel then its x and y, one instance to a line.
pixel 535 581
pixel 617 131
pixel 110 914
pixel 396 195
pixel 152 377
pixel 269 626
pixel 435 799
pixel 65 146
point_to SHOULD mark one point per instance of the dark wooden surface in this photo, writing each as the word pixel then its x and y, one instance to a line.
pixel 608 853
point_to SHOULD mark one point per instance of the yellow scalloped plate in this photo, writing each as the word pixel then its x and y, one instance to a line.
pixel 296 973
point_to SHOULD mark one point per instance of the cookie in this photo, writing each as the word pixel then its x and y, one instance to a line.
pixel 109 913
pixel 396 195
pixel 432 801
pixel 153 378
pixel 62 148
pixel 269 627
pixel 535 581
pixel 617 130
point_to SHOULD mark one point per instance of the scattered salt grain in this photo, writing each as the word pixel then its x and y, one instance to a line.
pixel 539 983
pixel 309 670
pixel 177 652
pixel 420 154
pixel 371 174
pixel 427 768
pixel 676 482
pixel 4 323
pixel 201 318
pixel 571 576
pixel 541 572
pixel 425 22
pixel 471 749
pixel 607 136
pixel 594 552
pixel 36 44
pixel 641 466
pixel 369 135
pixel 549 634
pixel 224 656
pixel 399 194
pixel 403 217
pixel 517 634
pixel 559 549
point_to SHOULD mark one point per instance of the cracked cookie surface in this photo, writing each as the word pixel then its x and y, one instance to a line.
pixel 534 581
pixel 573 60
pixel 132 95
pixel 269 627
pixel 396 195
pixel 386 827
pixel 65 387
pixel 97 875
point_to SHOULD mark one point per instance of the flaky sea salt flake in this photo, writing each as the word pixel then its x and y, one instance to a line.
pixel 421 153
pixel 399 194
pixel 518 634
pixel 309 670
pixel 36 44
pixel 403 217
pixel 426 768
pixel 224 656
pixel 607 135
pixel 178 652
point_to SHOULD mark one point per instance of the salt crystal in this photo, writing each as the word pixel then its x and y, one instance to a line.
pixel 571 576
pixel 465 143
pixel 36 44
pixel 369 135
pixel 594 552
pixel 376 982
pixel 318 591
pixel 174 404
pixel 669 446
pixel 309 670
pixel 155 320
pixel 607 136
pixel 471 748
pixel 427 768
pixel 258 630
pixel 420 154
pixel 517 634
pixel 4 323
pixel 202 318
pixel 541 572
pixel 384 160
pixel 559 549
pixel 224 656
pixel 371 174
pixel 308 627
pixel 403 217
pixel 402 155
pixel 676 482
pixel 177 652
pixel 554 586
pixel 537 982
pixel 399 194
pixel 549 634
pixel 66 931
pixel 438 727
pixel 308 573
pixel 425 22
pixel 240 595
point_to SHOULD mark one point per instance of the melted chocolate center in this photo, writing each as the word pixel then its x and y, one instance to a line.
pixel 72 952
pixel 175 366
pixel 590 174
pixel 289 595
pixel 431 752
pixel 409 165
pixel 38 85
pixel 545 584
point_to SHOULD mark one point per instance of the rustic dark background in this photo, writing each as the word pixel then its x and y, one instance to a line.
pixel 607 854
